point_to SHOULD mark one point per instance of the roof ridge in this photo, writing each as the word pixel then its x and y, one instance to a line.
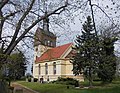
pixel 66 49
pixel 54 53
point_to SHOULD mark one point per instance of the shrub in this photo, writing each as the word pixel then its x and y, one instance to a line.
pixel 97 79
pixel 67 81
pixel 35 79
pixel 28 75
pixel 23 78
pixel 29 79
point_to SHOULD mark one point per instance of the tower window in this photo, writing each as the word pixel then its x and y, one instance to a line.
pixel 46 68
pixel 48 43
pixel 45 42
pixel 36 49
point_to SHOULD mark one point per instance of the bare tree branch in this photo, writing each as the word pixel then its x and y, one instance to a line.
pixel 11 14
pixel 27 45
pixel 19 25
pixel 3 3
pixel 91 6
pixel 13 44
pixel 1 23
pixel 115 33
pixel 103 12
pixel 3 19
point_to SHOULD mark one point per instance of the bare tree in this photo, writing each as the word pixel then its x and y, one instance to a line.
pixel 19 17
pixel 22 16
pixel 109 31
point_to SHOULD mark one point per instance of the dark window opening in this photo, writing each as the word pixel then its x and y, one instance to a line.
pixel 54 68
pixel 46 68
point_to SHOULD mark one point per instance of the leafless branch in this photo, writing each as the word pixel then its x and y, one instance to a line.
pixel 19 25
pixel 103 12
pixel 11 14
pixel 43 17
pixel 91 6
pixel 115 33
pixel 27 45
pixel 2 3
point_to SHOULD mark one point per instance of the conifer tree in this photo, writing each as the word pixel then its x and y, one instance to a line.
pixel 84 60
pixel 107 60
pixel 94 55
pixel 17 66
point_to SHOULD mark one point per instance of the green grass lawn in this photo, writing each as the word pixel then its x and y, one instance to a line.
pixel 114 87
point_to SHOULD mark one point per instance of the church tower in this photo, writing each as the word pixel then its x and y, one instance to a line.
pixel 44 39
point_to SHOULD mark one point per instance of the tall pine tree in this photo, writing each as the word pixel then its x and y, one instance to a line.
pixel 94 55
pixel 107 60
pixel 84 60
pixel 17 65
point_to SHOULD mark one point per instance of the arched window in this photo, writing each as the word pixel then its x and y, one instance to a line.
pixel 48 42
pixel 46 68
pixel 36 49
pixel 39 69
pixel 54 68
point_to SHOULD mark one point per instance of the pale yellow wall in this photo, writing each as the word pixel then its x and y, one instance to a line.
pixel 69 68
pixel 66 70
pixel 63 66
pixel 66 67
pixel 35 70
pixel 63 69
pixel 58 67
pixel 50 70
pixel 42 71
pixel 41 50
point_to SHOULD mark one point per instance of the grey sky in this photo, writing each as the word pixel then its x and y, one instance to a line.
pixel 67 32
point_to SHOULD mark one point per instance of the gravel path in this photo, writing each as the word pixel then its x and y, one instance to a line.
pixel 18 88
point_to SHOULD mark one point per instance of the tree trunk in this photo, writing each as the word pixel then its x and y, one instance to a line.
pixel 90 78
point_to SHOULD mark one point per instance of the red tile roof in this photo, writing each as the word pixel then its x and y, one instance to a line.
pixel 53 53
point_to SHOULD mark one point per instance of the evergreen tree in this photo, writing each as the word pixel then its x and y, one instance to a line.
pixel 16 66
pixel 94 55
pixel 107 60
pixel 85 58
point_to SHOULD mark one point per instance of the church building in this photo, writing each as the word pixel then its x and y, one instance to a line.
pixel 51 62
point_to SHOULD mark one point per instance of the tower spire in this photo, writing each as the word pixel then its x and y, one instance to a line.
pixel 46 20
pixel 46 23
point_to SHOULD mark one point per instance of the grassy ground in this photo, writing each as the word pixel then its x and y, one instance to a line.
pixel 114 87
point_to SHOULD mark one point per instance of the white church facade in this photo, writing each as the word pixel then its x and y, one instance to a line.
pixel 51 62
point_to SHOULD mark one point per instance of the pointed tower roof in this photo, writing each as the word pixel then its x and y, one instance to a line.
pixel 40 36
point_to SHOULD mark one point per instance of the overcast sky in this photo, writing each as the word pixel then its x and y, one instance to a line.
pixel 67 33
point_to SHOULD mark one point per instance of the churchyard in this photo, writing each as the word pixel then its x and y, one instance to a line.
pixel 98 87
